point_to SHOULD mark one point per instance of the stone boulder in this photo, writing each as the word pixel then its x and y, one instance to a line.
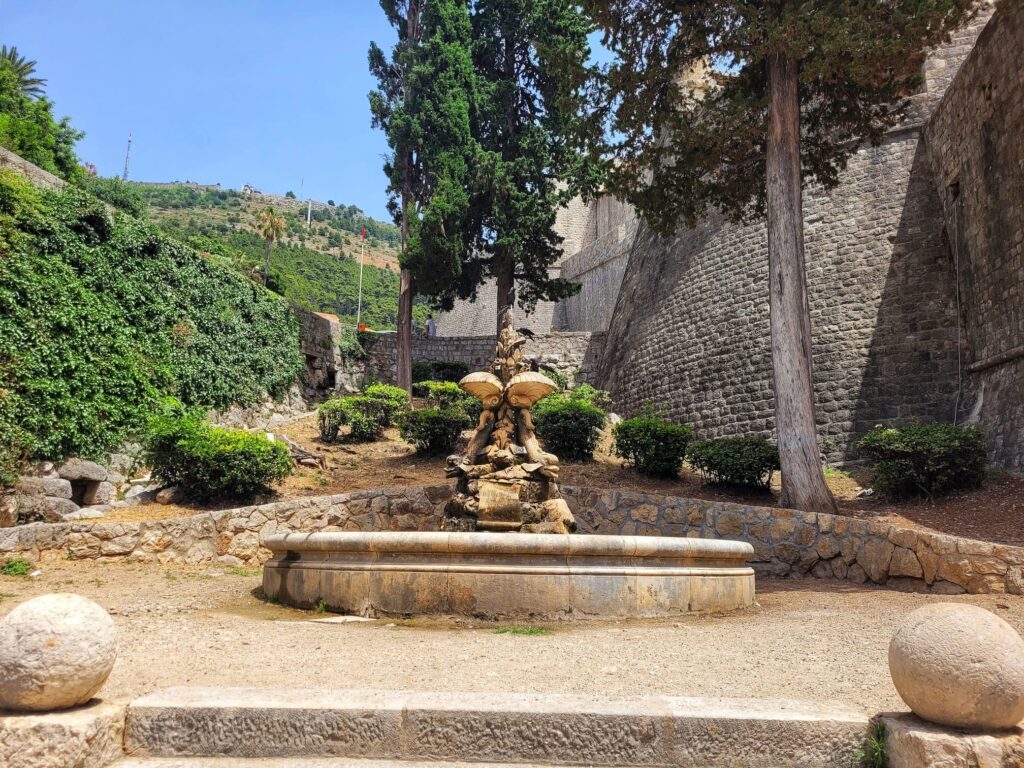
pixel 78 469
pixel 56 651
pixel 960 666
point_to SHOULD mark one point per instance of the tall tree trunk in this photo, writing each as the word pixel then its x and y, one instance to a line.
pixel 505 275
pixel 403 374
pixel 266 264
pixel 803 481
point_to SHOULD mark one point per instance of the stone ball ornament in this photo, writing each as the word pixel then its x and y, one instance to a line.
pixel 56 651
pixel 959 665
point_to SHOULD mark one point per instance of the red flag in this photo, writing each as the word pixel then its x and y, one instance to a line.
pixel 364 233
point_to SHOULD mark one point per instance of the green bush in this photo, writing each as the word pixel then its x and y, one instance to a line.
pixel 422 370
pixel 652 445
pixel 442 394
pixel 393 401
pixel 569 427
pixel 434 431
pixel 101 316
pixel 438 370
pixel 210 463
pixel 365 416
pixel 331 417
pixel 117 193
pixel 925 459
pixel 596 397
pixel 747 461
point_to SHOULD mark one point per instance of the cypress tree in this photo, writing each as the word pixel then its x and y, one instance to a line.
pixel 790 91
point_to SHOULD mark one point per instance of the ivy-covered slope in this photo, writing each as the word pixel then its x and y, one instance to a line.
pixel 101 315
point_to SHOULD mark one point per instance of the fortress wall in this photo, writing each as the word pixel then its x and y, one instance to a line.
pixel 691 332
pixel 975 143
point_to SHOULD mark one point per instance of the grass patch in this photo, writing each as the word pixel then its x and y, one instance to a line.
pixel 16 566
pixel 873 753
pixel 321 607
pixel 528 631
pixel 244 571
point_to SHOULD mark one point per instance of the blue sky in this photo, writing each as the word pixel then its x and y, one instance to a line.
pixel 262 92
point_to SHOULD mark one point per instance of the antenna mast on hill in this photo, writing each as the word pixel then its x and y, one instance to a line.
pixel 127 154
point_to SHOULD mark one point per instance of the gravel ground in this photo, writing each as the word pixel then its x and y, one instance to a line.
pixel 814 640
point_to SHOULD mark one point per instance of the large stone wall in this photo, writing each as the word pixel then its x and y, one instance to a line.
pixel 975 142
pixel 574 355
pixel 690 328
pixel 786 542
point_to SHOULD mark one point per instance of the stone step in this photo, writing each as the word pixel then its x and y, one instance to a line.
pixel 291 762
pixel 549 729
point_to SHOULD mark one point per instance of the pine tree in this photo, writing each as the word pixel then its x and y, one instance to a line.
pixel 791 89
pixel 389 106
pixel 537 142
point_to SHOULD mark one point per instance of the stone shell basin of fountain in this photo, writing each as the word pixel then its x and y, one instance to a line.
pixel 507 575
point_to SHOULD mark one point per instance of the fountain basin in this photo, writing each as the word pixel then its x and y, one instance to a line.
pixel 507 575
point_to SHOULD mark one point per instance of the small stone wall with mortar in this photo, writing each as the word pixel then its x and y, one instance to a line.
pixel 786 542
pixel 791 543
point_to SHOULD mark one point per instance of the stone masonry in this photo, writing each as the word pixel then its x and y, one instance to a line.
pixel 785 542
pixel 975 146
pixel 690 327
pixel 573 355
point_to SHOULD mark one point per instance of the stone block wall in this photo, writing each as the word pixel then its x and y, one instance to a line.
pixel 690 329
pixel 975 142
pixel 598 268
pixel 791 543
pixel 574 355
pixel 33 173
pixel 786 542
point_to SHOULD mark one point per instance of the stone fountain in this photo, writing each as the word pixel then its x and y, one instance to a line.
pixel 506 482
pixel 486 560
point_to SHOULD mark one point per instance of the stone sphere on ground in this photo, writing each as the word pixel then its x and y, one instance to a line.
pixel 55 652
pixel 959 665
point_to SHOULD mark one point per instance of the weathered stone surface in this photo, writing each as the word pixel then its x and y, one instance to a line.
pixel 56 651
pixel 874 557
pixel 84 737
pixel 79 469
pixel 493 728
pixel 170 495
pixel 959 665
pixel 905 563
pixel 913 743
pixel 100 493
pixel 44 486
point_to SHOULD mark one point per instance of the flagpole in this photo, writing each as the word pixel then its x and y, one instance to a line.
pixel 359 305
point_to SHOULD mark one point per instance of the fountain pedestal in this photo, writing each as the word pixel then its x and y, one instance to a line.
pixel 512 576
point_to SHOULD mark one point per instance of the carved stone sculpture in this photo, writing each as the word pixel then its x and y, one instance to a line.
pixel 506 481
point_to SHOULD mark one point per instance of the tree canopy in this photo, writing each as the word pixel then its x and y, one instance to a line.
pixel 23 70
pixel 689 91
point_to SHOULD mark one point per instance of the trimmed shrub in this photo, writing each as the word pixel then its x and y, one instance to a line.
pixel 442 394
pixel 434 431
pixel 925 459
pixel 450 370
pixel 749 461
pixel 569 427
pixel 330 419
pixel 209 463
pixel 365 416
pixel 422 370
pixel 652 445
pixel 596 397
pixel 393 401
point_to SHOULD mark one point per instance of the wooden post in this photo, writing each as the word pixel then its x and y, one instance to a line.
pixel 803 481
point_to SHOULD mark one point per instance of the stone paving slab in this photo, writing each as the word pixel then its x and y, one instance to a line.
pixel 493 728
pixel 291 762
pixel 84 737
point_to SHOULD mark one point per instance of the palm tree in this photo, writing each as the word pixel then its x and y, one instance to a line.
pixel 270 226
pixel 23 69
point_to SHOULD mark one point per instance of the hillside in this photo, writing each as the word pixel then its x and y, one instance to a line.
pixel 102 316
pixel 334 230
pixel 315 268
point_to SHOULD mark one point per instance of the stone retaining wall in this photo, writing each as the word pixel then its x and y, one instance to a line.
pixel 791 543
pixel 786 542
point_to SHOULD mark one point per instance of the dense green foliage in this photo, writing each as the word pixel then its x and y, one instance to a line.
pixel 16 566
pixel 101 315
pixel 447 394
pixel 434 431
pixel 747 461
pixel 393 401
pixel 209 463
pixel 310 279
pixel 175 196
pixel 438 370
pixel 925 459
pixel 23 71
pixel 569 423
pixel 117 193
pixel 331 417
pixel 29 129
pixel 856 61
pixel 652 445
